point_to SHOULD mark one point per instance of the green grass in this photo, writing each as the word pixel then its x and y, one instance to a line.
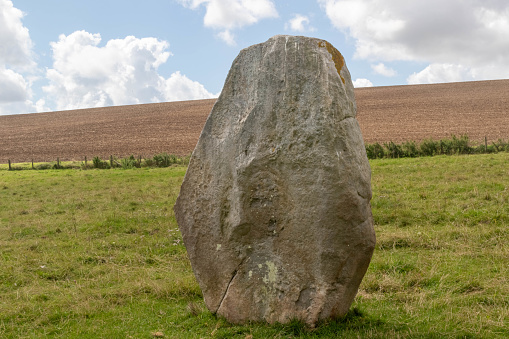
pixel 97 254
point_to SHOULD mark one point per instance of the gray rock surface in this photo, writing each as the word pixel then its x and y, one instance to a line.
pixel 274 208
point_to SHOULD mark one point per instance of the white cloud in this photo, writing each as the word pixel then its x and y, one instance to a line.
pixel 17 108
pixel 15 42
pixel 179 87
pixel 227 15
pixel 40 106
pixel 362 83
pixel 470 35
pixel 124 71
pixel 383 70
pixel 437 73
pixel 299 23
pixel 227 37
pixel 16 94
pixel 13 86
pixel 16 61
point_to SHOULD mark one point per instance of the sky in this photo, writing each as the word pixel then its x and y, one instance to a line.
pixel 60 55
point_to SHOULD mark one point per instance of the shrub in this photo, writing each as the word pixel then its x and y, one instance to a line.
pixel 500 145
pixel 185 160
pixel 130 162
pixel 393 150
pixel 461 145
pixel 455 145
pixel 43 166
pixel 164 159
pixel 491 149
pixel 410 149
pixel 444 146
pixel 375 151
pixel 429 147
pixel 88 166
pixel 71 165
pixel 98 163
pixel 148 163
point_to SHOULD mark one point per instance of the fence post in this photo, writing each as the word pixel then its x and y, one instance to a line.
pixel 58 163
pixel 85 162
pixel 111 161
pixel 32 163
pixel 10 168
pixel 139 161
pixel 486 144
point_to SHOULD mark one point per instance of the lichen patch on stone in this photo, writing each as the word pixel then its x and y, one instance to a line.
pixel 271 273
pixel 337 58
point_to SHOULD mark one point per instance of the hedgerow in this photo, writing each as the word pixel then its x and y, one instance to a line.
pixel 430 147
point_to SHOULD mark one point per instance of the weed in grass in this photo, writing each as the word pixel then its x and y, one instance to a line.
pixel 130 162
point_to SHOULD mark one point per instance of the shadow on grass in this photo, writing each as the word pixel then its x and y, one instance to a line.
pixel 354 320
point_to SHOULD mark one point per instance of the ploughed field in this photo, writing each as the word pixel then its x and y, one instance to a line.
pixel 393 113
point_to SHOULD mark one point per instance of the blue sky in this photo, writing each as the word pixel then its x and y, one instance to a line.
pixel 58 55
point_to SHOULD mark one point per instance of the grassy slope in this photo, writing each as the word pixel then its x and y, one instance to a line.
pixel 97 254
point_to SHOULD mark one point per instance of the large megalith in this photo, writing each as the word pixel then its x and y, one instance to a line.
pixel 275 205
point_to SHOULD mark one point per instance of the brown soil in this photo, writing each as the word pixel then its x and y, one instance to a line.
pixel 418 112
pixel 144 130
pixel 394 113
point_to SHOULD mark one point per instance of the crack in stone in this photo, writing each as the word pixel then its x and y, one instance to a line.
pixel 234 274
pixel 227 288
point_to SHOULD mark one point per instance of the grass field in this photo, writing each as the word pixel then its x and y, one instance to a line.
pixel 97 254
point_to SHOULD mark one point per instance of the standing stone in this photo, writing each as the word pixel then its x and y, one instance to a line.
pixel 275 205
